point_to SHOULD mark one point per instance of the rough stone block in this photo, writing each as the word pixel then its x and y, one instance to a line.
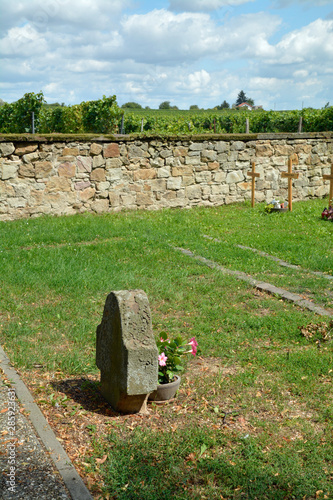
pixel 234 177
pixel 111 151
pixel 80 186
pixel 193 192
pixel 87 194
pixel 58 184
pixel 196 146
pixel 98 161
pixel 7 148
pixel 163 172
pixel 182 170
pixel 180 151
pixel 24 150
pixel 70 152
pixel 135 152
pixel 9 170
pixel 113 163
pixel 42 169
pixel 174 183
pixel 126 351
pixel 100 206
pixel 95 149
pixel 264 150
pixel 98 175
pixel 203 177
pixel 114 175
pixel 144 174
pixel 84 164
pixel 192 160
pixel 144 199
pixel 237 146
pixel 214 165
pixel 30 157
pixel 66 170
pixel 26 170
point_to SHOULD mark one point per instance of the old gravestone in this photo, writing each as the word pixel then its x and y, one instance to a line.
pixel 126 351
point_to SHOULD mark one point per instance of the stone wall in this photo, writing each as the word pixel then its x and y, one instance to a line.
pixel 65 175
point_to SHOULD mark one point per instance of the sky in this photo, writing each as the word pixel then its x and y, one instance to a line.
pixel 188 52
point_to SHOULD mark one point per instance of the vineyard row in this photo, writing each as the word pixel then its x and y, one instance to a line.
pixel 29 114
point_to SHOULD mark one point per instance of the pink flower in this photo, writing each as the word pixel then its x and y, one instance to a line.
pixel 194 344
pixel 162 359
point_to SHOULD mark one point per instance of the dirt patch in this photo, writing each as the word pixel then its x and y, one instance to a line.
pixel 210 366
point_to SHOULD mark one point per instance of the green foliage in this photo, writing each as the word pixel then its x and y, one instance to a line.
pixel 101 116
pixel 224 105
pixel 17 117
pixel 241 98
pixel 169 121
pixel 171 352
pixel 165 105
pixel 131 105
pixel 104 116
pixel 65 119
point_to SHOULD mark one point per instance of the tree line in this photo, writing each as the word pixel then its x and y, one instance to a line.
pixel 241 98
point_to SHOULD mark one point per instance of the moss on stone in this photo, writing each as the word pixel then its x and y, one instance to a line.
pixel 56 137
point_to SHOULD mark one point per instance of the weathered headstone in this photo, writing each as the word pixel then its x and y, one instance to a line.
pixel 126 351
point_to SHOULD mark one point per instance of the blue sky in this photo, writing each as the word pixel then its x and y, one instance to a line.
pixel 279 52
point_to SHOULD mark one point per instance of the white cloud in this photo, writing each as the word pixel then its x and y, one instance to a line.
pixel 44 15
pixel 317 3
pixel 196 83
pixel 311 43
pixel 301 73
pixel 203 5
pixel 88 66
pixel 77 50
pixel 23 42
pixel 163 37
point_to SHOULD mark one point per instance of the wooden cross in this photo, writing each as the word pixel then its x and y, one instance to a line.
pixel 253 174
pixel 329 177
pixel 290 176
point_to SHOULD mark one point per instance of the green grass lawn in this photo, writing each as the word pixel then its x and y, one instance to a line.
pixel 253 417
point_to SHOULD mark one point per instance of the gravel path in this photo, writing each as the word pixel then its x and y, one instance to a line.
pixel 27 472
pixel 33 464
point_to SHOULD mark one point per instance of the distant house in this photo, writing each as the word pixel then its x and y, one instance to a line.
pixel 246 105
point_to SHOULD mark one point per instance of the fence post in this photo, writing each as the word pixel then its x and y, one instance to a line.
pixel 141 124
pixel 300 124
pixel 247 128
pixel 33 122
pixel 122 125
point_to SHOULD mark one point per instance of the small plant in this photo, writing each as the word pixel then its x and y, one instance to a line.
pixel 275 204
pixel 269 208
pixel 170 354
pixel 318 331
pixel 327 213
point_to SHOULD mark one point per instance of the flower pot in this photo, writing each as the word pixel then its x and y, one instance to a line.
pixel 165 391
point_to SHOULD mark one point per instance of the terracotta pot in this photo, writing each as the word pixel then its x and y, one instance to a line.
pixel 165 391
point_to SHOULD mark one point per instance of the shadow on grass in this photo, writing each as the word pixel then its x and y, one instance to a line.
pixel 86 393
